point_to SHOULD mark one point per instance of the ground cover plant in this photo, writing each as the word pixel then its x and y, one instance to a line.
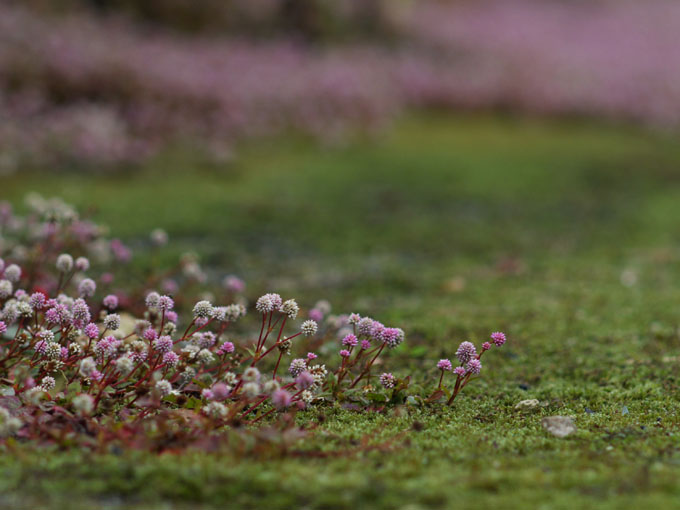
pixel 134 377
pixel 562 235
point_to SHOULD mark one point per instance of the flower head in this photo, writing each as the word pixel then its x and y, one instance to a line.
pixel 444 364
pixel 281 399
pixel 474 366
pixel 110 301
pixel 87 287
pixel 297 366
pixel 309 328
pixel 387 380
pixel 112 321
pixel 304 380
pixel 498 338
pixel 466 351
pixel 203 310
pixel 290 308
pixel 350 341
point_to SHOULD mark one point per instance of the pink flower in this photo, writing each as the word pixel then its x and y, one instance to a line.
pixel 316 315
pixel 226 348
pixel 344 353
pixel 387 380
pixel 91 330
pixel 171 359
pixel 350 341
pixel 444 364
pixel 220 391
pixel 474 366
pixel 466 351
pixel 110 301
pixel 150 334
pixel 459 371
pixel 281 399
pixel 304 380
pixel 498 338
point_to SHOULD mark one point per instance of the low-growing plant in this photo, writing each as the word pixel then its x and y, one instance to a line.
pixel 79 363
pixel 470 366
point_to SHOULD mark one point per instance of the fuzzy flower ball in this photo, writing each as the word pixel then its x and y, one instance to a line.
pixel 82 264
pixel 170 359
pixel 91 330
pixel 387 380
pixel 251 374
pixel 444 364
pixel 220 391
pixel 83 404
pixel 297 366
pixel 13 273
pixel 290 308
pixel 112 321
pixel 110 301
pixel 304 380
pixel 64 263
pixel 474 366
pixel 165 303
pixel 87 287
pixel 47 383
pixel 164 387
pixel 226 348
pixel 163 344
pixel 466 351
pixel 309 328
pixel 6 289
pixel 350 341
pixel 459 371
pixel 281 399
pixel 498 338
pixel 152 299
pixel 3 327
pixel 203 310
pixel 344 353
pixel 316 315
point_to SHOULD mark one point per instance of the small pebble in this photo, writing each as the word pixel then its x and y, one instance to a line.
pixel 559 426
pixel 527 405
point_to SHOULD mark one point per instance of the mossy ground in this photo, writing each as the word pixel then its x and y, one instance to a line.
pixel 451 228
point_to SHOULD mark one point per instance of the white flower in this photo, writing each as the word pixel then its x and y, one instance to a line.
pixel 83 404
pixel 203 310
pixel 64 263
pixel 164 387
pixel 309 328
pixel 290 308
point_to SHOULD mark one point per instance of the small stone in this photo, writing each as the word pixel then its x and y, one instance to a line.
pixel 527 405
pixel 559 426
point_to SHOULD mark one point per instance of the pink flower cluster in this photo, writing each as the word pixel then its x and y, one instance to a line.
pixel 96 354
pixel 78 88
pixel 469 364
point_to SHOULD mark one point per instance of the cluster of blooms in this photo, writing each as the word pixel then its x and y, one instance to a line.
pixel 621 63
pixel 470 364
pixel 69 350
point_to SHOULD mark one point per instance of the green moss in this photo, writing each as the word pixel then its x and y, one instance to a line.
pixel 449 227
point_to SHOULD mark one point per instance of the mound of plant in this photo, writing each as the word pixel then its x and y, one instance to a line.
pixel 82 361
pixel 88 360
